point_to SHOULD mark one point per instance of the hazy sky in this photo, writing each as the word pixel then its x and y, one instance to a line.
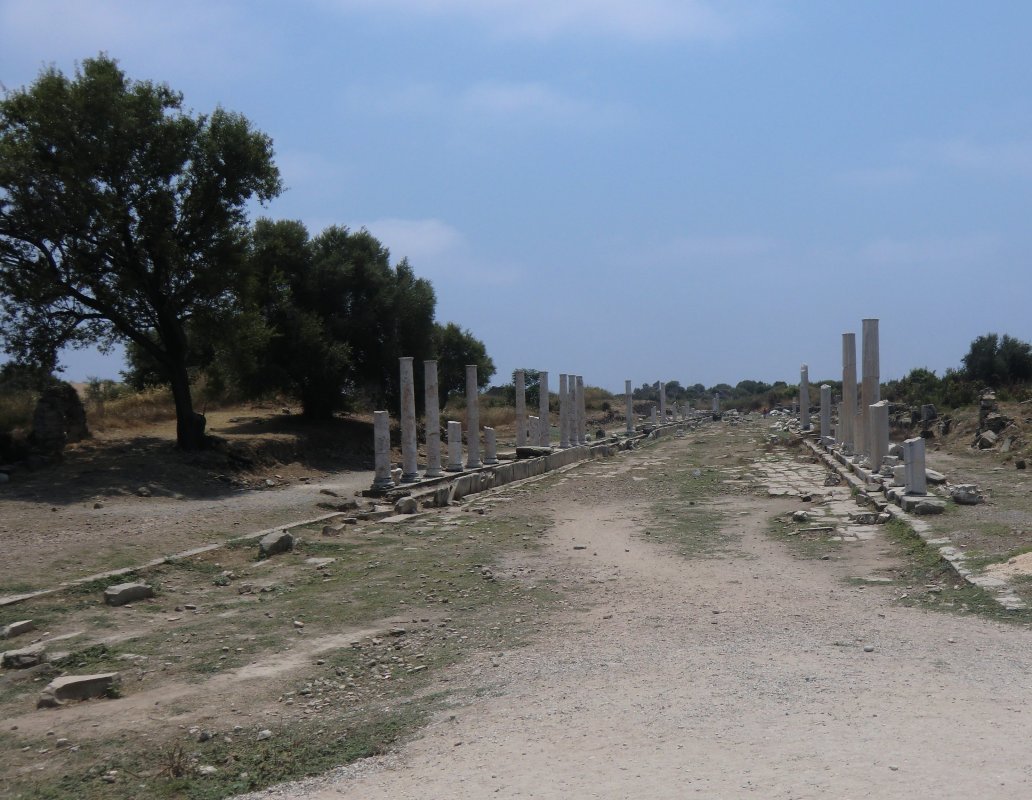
pixel 678 189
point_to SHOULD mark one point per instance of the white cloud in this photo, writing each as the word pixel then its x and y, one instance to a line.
pixel 717 248
pixel 877 177
pixel 416 239
pixel 636 20
pixel 1007 158
pixel 944 251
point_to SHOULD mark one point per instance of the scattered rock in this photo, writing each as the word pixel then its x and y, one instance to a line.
pixel 919 504
pixel 77 687
pixel 207 769
pixel 868 648
pixel 1020 463
pixel 275 542
pixel 800 516
pixel 532 451
pixel 264 734
pixel 966 494
pixel 332 530
pixel 17 628
pixel 122 593
pixel 143 491
pixel 935 478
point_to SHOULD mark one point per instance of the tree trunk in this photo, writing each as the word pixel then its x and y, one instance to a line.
pixel 189 424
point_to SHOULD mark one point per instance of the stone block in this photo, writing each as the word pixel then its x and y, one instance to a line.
pixel 921 504
pixel 22 659
pixel 406 505
pixel 122 593
pixel 986 440
pixel 17 628
pixel 77 687
pixel 275 542
pixel 934 477
pixel 532 452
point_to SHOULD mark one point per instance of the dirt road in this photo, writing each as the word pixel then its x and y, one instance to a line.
pixel 737 671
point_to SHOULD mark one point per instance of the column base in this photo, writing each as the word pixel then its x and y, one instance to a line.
pixel 383 483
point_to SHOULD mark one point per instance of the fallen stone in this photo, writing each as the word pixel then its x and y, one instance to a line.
pixel 22 659
pixel 406 505
pixel 17 628
pixel 332 530
pixel 966 494
pixel 866 518
pixel 264 734
pixel 275 542
pixel 986 440
pixel 143 491
pixel 530 451
pixel 921 505
pixel 934 477
pixel 77 687
pixel 1020 463
pixel 800 516
pixel 122 593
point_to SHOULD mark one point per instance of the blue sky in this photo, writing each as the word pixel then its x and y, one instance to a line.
pixel 645 189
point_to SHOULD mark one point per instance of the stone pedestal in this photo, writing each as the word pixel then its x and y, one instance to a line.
pixel 825 411
pixel 382 450
pixel 847 410
pixel 878 434
pixel 582 414
pixel 564 411
pixel 521 408
pixel 915 479
pixel 870 388
pixel 532 429
pixel 544 423
pixel 433 420
pixel 804 397
pixel 472 418
pixel 454 446
pixel 490 446
pixel 409 447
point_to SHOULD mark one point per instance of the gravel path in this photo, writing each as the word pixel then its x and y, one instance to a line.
pixel 751 673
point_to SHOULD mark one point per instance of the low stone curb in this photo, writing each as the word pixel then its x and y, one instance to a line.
pixel 999 589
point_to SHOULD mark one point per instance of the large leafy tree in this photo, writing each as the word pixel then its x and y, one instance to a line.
pixel 122 217
pixel 994 360
pixel 456 347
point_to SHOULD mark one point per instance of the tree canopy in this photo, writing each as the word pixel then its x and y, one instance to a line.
pixel 121 218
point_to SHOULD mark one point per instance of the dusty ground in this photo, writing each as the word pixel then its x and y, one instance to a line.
pixel 740 672
pixel 685 644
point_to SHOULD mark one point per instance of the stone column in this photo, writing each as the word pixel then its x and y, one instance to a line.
pixel 490 446
pixel 582 415
pixel 916 480
pixel 521 408
pixel 472 418
pixel 533 434
pixel 454 446
pixel 847 410
pixel 878 434
pixel 859 437
pixel 382 450
pixel 870 388
pixel 804 397
pixel 825 413
pixel 629 396
pixel 716 402
pixel 409 447
pixel 662 402
pixel 654 418
pixel 544 428
pixel 564 411
pixel 433 420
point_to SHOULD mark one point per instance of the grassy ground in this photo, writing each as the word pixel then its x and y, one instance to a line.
pixel 419 597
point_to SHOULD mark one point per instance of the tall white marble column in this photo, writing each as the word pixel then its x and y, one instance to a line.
pixel 490 446
pixel 629 397
pixel 879 433
pixel 847 411
pixel 521 408
pixel 716 402
pixel 582 415
pixel 654 418
pixel 472 418
pixel 432 415
pixel 544 427
pixel 916 478
pixel 382 450
pixel 662 402
pixel 409 445
pixel 870 388
pixel 533 431
pixel 564 411
pixel 804 397
pixel 454 446
pixel 825 413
